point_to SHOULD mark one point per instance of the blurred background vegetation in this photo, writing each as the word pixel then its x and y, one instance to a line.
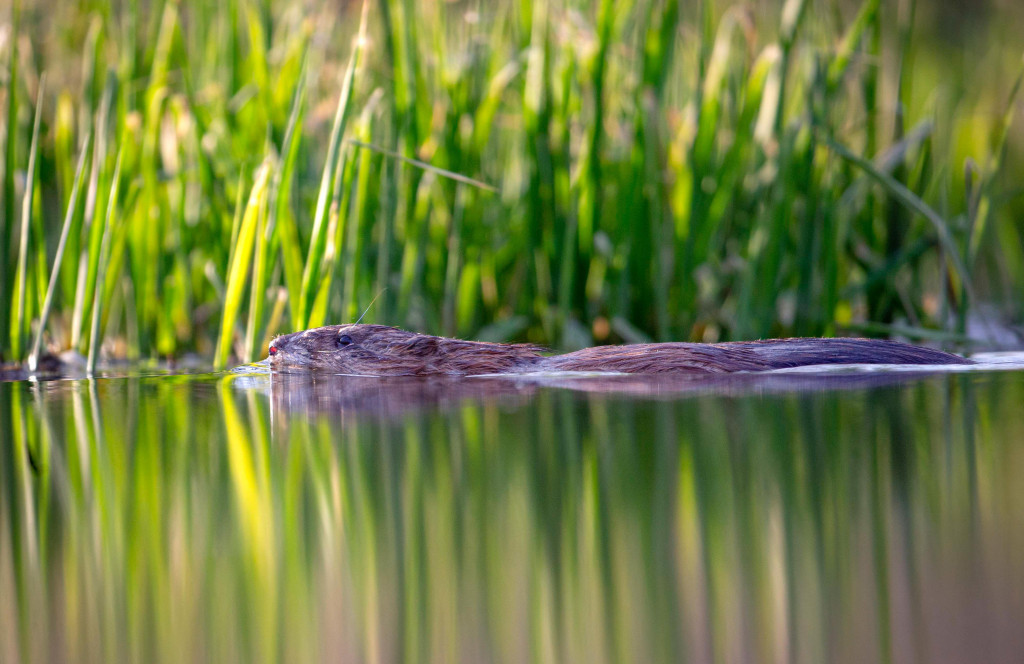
pixel 192 176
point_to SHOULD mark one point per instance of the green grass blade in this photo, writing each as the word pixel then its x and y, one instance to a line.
pixel 93 232
pixel 451 175
pixel 844 54
pixel 282 223
pixel 58 258
pixel 10 165
pixel 20 333
pixel 984 209
pixel 318 239
pixel 914 202
pixel 338 222
pixel 590 186
pixel 357 216
pixel 258 286
pixel 95 334
pixel 258 58
pixel 241 259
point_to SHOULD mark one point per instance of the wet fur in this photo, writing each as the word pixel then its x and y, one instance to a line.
pixel 745 356
pixel 379 350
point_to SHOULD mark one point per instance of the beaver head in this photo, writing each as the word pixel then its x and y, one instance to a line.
pixel 379 350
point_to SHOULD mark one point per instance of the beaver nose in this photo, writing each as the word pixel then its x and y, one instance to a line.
pixel 281 343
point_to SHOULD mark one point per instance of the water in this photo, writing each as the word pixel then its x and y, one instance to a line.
pixel 841 517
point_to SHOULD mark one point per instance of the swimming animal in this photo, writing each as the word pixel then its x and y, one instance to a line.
pixel 379 350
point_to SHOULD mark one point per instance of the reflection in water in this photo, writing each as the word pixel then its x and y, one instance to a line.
pixel 326 395
pixel 310 395
pixel 771 518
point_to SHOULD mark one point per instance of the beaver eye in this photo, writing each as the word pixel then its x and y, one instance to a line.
pixel 344 340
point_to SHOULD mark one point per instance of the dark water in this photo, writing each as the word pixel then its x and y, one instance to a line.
pixel 839 518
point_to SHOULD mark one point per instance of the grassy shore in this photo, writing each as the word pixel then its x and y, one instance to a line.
pixel 197 176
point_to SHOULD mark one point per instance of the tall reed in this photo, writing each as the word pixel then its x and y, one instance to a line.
pixel 545 171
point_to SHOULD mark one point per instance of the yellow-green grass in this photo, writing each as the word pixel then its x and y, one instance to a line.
pixel 562 172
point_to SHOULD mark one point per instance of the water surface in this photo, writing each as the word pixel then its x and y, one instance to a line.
pixel 246 517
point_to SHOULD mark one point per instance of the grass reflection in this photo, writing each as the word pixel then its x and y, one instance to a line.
pixel 185 519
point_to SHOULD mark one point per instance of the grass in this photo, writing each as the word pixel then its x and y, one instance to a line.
pixel 566 173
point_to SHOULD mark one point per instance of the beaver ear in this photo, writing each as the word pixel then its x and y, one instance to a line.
pixel 422 345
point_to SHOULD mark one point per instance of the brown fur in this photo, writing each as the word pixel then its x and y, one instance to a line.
pixel 378 350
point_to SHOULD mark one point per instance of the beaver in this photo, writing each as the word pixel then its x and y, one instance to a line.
pixel 380 350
